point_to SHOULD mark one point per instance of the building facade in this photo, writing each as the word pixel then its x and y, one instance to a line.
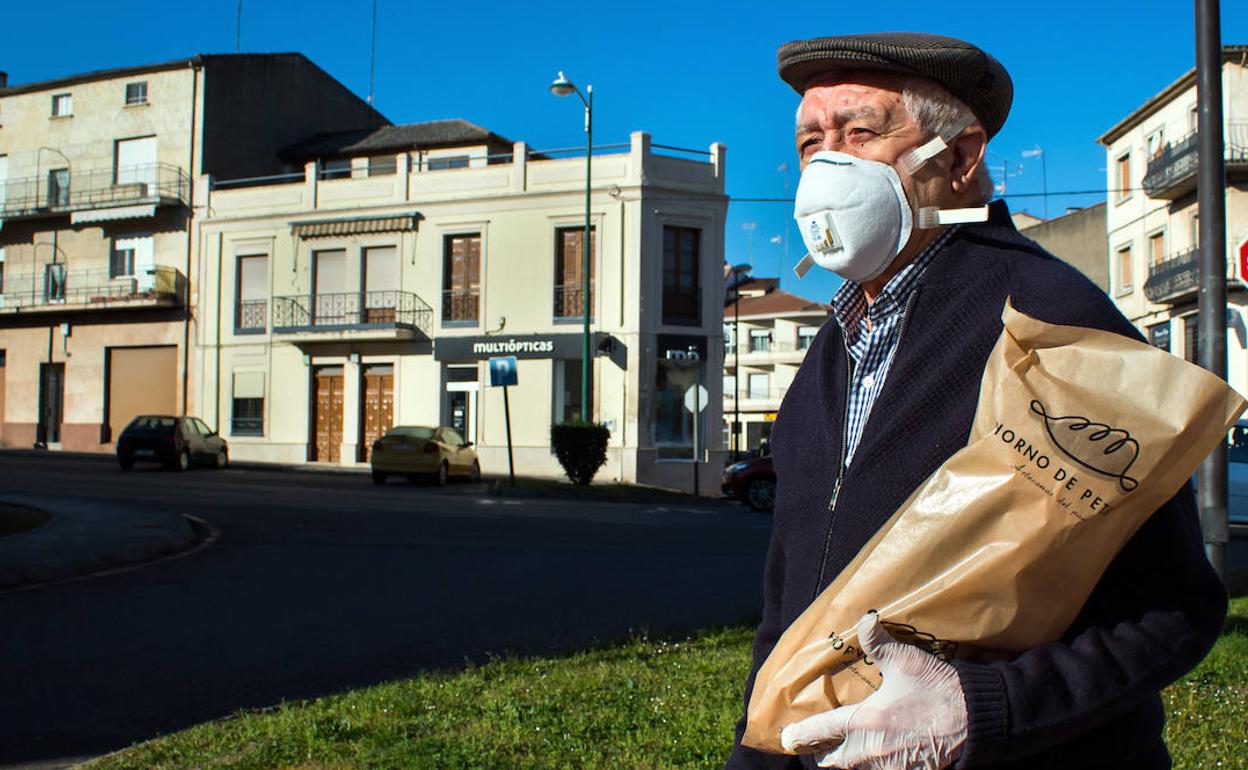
pixel 767 332
pixel 372 288
pixel 1077 237
pixel 1152 220
pixel 97 256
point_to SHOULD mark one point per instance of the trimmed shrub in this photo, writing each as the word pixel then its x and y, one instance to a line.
pixel 581 448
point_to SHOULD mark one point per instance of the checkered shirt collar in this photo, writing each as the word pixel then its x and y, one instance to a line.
pixel 849 303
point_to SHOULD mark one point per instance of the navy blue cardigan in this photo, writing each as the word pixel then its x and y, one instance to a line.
pixel 1091 700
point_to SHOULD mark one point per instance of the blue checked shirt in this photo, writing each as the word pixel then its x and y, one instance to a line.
pixel 872 333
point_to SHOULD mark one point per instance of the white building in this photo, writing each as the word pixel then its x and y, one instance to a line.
pixel 370 289
pixel 1152 219
pixel 774 329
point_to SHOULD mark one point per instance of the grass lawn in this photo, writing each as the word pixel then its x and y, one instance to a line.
pixel 644 704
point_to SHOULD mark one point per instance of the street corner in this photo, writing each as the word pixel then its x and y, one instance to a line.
pixel 69 540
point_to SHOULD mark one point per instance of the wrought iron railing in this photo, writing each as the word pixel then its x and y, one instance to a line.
pixel 569 300
pixel 1173 277
pixel 57 285
pixel 99 188
pixel 460 305
pixel 251 315
pixel 247 426
pixel 345 310
pixel 1177 161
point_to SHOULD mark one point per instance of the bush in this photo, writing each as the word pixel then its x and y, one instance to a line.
pixel 581 448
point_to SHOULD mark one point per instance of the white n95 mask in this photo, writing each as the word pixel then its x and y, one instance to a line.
pixel 854 215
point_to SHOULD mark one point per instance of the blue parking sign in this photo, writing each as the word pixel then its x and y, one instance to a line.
pixel 503 371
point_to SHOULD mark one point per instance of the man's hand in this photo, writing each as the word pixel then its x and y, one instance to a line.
pixel 916 720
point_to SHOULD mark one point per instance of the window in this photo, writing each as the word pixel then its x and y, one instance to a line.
pixel 447 161
pixel 1193 117
pixel 62 105
pixel 381 284
pixel 329 284
pixel 730 386
pixel 134 161
pixel 673 423
pixel 1191 338
pixel 121 262
pixel 759 385
pixel 681 286
pixel 252 293
pixel 336 168
pixel 247 413
pixel 54 282
pixel 136 92
pixel 58 187
pixel 1156 143
pixel 382 165
pixel 569 277
pixel 1122 177
pixel 1 276
pixel 1159 335
pixel 567 389
pixel 1195 231
pixel 1125 270
pixel 729 338
pixel 760 340
pixel 805 336
pixel 461 278
pixel 1157 248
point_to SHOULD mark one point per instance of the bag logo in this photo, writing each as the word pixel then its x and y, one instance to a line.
pixel 1096 446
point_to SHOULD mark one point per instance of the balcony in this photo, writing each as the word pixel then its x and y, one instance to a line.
pixel 1173 278
pixel 360 315
pixel 569 305
pixel 124 194
pixel 251 316
pixel 1173 172
pixel 58 290
pixel 460 307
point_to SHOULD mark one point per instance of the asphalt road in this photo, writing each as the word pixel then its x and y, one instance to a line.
pixel 322 582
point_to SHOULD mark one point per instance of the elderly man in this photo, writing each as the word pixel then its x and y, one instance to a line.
pixel 892 132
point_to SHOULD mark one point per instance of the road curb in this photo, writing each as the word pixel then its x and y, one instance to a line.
pixel 38 567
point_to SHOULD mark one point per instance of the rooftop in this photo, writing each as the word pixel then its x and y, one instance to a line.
pixel 777 301
pixel 387 139
pixel 118 72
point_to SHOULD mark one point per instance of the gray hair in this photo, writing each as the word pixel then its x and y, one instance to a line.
pixel 940 113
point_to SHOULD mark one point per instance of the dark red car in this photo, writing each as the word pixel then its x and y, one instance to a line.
pixel 753 482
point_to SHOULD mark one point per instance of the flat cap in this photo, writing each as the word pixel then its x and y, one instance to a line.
pixel 966 71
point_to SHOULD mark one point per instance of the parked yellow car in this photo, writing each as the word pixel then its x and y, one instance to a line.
pixel 418 451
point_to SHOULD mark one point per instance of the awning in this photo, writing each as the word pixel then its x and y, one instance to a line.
pixel 326 228
pixel 119 212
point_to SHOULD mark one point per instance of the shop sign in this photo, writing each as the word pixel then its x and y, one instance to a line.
pixel 562 346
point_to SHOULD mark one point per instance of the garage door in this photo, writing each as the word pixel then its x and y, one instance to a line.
pixel 141 381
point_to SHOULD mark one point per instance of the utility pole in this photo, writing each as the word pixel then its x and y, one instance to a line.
pixel 1211 482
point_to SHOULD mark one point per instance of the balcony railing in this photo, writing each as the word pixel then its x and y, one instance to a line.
pixel 157 183
pixel 1173 172
pixel 749 347
pixel 351 310
pixel 99 288
pixel 251 316
pixel 1173 277
pixel 569 302
pixel 460 305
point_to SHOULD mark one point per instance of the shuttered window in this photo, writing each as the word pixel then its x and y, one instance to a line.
pixel 681 289
pixel 461 278
pixel 569 276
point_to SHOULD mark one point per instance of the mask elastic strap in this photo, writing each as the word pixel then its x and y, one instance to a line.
pixel 930 216
pixel 803 266
pixel 913 160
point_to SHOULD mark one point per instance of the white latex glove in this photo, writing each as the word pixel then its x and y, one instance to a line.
pixel 915 721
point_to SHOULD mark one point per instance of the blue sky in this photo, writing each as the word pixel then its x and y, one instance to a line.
pixel 690 73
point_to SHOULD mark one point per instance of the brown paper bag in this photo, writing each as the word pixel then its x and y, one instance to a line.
pixel 1079 436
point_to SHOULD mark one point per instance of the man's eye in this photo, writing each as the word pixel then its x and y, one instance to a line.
pixel 860 133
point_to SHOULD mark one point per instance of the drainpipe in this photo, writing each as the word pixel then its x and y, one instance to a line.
pixel 190 241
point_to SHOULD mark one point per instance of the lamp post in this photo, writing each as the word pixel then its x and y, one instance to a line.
pixel 737 271
pixel 562 87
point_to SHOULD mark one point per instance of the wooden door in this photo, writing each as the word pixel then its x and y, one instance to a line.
pixel 378 407
pixel 328 418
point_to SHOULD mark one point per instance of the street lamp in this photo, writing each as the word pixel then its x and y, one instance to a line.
pixel 563 87
pixel 737 271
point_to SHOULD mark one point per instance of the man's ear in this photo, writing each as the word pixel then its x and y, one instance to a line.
pixel 968 151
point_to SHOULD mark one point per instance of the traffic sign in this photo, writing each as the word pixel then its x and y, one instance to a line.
pixel 503 371
pixel 699 393
pixel 1243 261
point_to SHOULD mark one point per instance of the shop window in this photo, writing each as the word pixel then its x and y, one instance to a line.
pixel 569 277
pixel 461 278
pixel 567 391
pixel 1159 335
pixel 674 424
pixel 247 413
pixel 681 285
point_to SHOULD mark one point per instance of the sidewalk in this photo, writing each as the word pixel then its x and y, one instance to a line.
pixel 84 538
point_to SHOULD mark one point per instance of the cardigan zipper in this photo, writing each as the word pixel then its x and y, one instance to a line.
pixel 840 468
pixel 840 475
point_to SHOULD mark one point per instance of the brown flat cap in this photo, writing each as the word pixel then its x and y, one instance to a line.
pixel 967 72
